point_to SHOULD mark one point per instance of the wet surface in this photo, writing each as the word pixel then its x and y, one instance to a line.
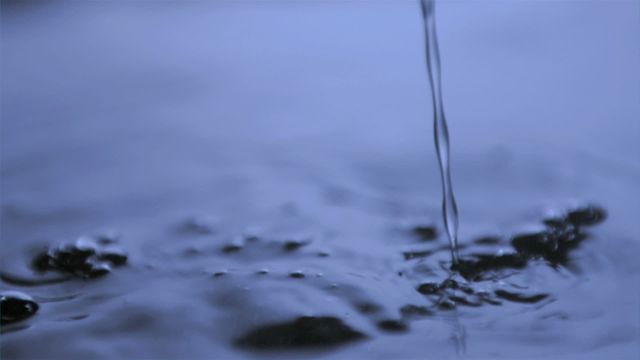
pixel 163 196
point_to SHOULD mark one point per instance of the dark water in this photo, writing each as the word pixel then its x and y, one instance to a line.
pixel 440 129
pixel 166 195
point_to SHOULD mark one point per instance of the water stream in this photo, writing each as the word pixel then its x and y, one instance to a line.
pixel 440 129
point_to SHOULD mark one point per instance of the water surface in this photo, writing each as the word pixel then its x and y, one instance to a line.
pixel 268 169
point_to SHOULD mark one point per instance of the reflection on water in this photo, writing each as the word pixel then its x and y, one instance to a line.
pixel 252 187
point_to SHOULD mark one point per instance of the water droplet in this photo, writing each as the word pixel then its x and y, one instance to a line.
pixel 16 306
pixel 293 245
pixel 296 274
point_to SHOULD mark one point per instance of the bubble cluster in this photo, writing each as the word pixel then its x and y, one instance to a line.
pixel 84 258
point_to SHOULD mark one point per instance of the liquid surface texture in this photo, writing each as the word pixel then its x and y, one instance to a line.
pixel 241 180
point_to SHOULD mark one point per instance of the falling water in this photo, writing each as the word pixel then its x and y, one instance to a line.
pixel 440 131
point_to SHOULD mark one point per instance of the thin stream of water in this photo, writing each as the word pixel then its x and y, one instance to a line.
pixel 440 130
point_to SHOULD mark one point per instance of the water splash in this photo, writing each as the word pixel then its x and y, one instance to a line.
pixel 440 131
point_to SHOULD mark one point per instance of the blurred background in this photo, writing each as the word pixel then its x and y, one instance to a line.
pixel 104 99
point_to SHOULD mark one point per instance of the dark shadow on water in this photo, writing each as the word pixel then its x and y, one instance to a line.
pixel 303 332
